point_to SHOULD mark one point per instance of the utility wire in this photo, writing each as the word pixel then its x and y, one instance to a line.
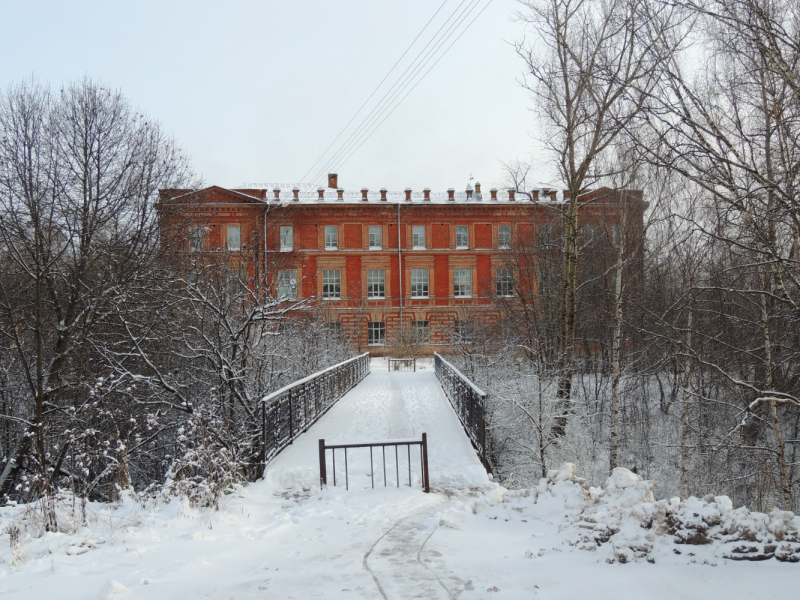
pixel 412 89
pixel 376 89
pixel 403 81
pixel 368 125
pixel 321 173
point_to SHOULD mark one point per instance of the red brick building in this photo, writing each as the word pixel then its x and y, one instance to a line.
pixel 378 263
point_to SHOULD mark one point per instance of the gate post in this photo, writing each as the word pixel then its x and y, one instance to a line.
pixel 323 473
pixel 425 479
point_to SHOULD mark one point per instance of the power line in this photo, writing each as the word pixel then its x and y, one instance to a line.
pixel 376 88
pixel 403 81
pixel 378 115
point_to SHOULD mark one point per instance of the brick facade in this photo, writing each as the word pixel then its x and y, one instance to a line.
pixel 321 239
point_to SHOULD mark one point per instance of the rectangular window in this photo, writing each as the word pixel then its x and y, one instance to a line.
pixel 462 237
pixel 504 236
pixel 331 237
pixel 546 235
pixel 462 283
pixel 505 282
pixel 287 285
pixel 419 283
pixel 196 239
pixel 332 284
pixel 287 238
pixel 334 330
pixel 589 233
pixel 376 333
pixel 376 283
pixel 616 235
pixel 234 238
pixel 418 237
pixel 464 332
pixel 375 237
pixel 421 331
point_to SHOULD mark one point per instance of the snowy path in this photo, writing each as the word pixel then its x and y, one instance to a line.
pixel 284 538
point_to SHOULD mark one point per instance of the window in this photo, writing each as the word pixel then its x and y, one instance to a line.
pixel 376 333
pixel 331 237
pixel 589 233
pixel 505 282
pixel 196 239
pixel 419 283
pixel 334 330
pixel 462 237
pixel 375 237
pixel 421 331
pixel 504 236
pixel 287 285
pixel 546 235
pixel 418 237
pixel 616 235
pixel 464 332
pixel 376 283
pixel 287 238
pixel 234 238
pixel 332 284
pixel 462 283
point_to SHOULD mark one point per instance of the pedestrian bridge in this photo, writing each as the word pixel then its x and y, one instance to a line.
pixel 385 406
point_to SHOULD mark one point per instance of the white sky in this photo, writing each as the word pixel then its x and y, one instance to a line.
pixel 255 91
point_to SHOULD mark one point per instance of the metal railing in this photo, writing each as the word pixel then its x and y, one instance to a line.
pixel 469 402
pixel 403 364
pixel 290 411
pixel 423 461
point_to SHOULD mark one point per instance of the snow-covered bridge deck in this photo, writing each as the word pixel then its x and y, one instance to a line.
pixel 385 406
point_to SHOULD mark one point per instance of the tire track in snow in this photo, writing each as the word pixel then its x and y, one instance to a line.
pixel 396 563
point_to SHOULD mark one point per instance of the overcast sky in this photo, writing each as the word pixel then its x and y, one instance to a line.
pixel 255 91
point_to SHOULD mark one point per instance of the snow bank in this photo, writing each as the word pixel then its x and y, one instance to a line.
pixel 623 520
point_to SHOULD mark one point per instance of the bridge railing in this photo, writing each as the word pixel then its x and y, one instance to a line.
pixel 290 411
pixel 469 402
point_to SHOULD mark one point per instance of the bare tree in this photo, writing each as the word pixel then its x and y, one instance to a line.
pixel 591 69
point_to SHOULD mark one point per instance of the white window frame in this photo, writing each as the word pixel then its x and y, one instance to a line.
pixel 419 283
pixel 197 236
pixel 287 285
pixel 376 333
pixel 464 331
pixel 504 236
pixel 616 235
pixel 505 282
pixel 287 238
pixel 375 237
pixel 462 237
pixel 331 237
pixel 424 327
pixel 376 284
pixel 418 237
pixel 462 283
pixel 232 246
pixel 332 284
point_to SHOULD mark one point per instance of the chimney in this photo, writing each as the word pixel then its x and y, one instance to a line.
pixel 383 194
pixel 427 194
pixel 277 192
pixel 553 195
pixel 333 180
pixel 451 195
pixel 493 193
pixel 340 194
pixel 364 192
pixel 296 194
pixel 545 194
pixel 469 193
pixel 511 193
pixel 321 194
pixel 566 195
pixel 535 195
pixel 408 194
pixel 478 187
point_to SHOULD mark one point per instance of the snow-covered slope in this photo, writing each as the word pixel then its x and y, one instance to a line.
pixel 283 537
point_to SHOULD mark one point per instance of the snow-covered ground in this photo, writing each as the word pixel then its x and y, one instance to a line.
pixel 283 537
